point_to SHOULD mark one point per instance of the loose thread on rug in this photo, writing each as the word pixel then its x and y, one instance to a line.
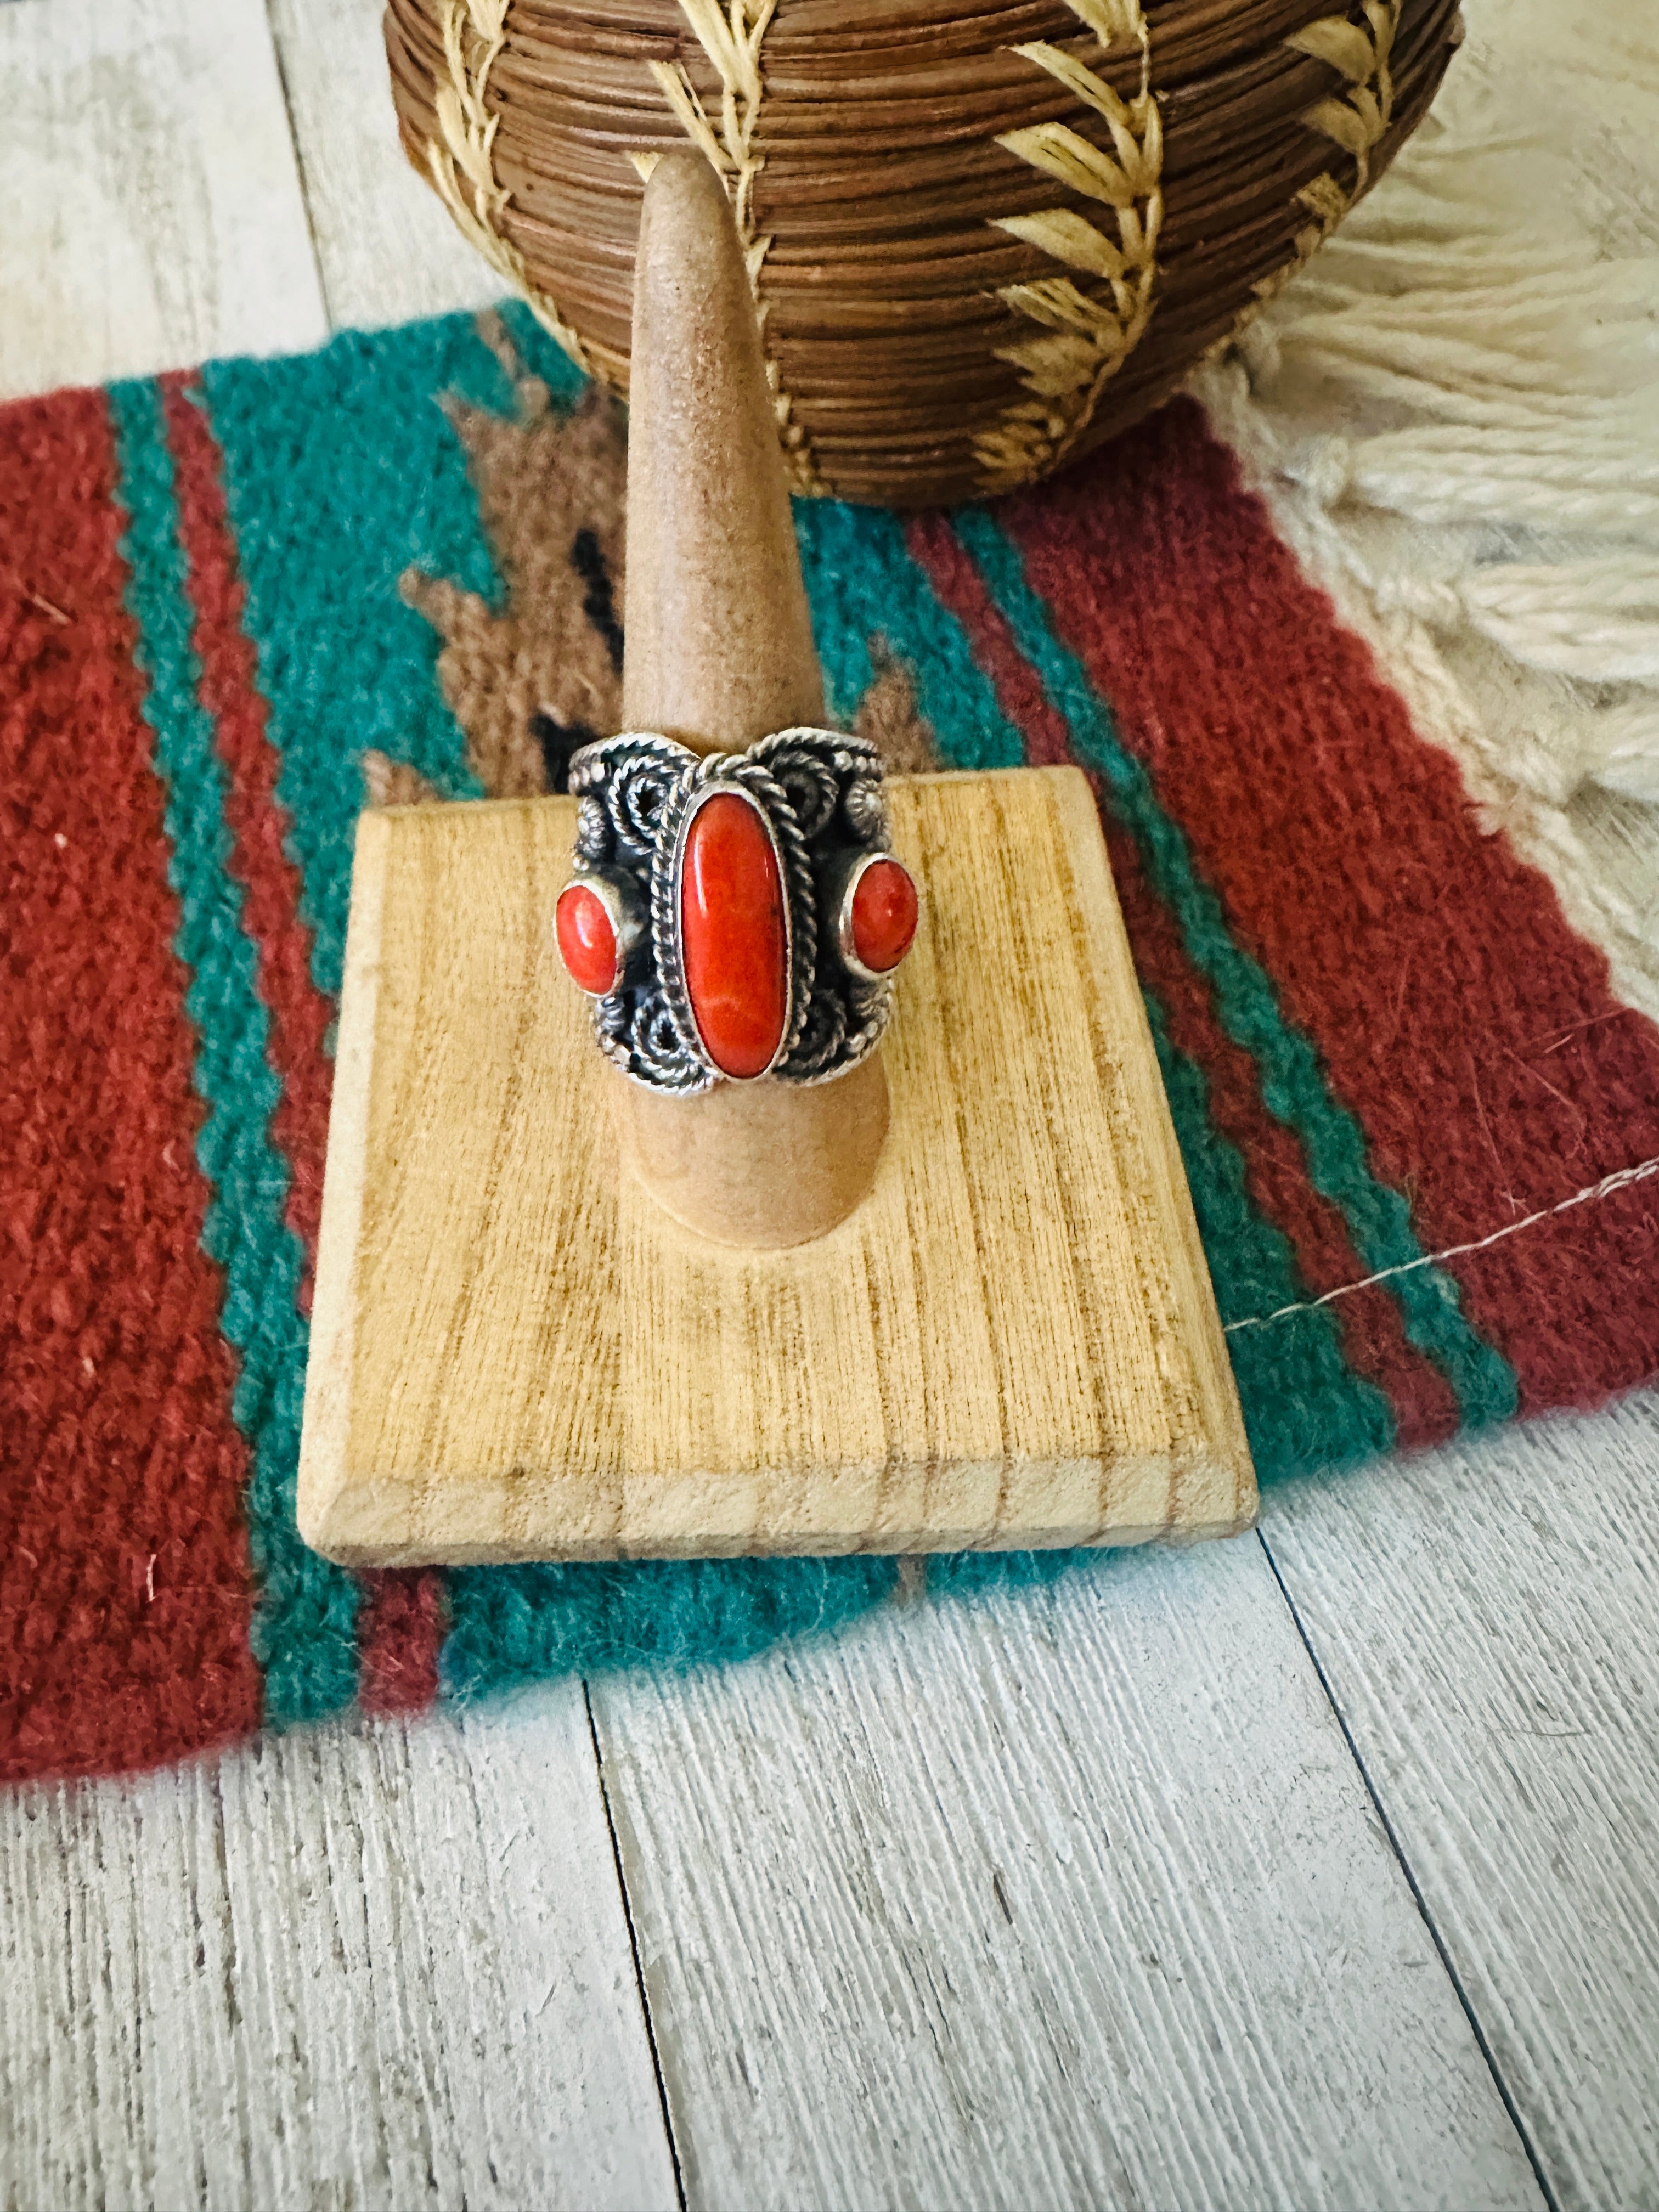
pixel 1620 1181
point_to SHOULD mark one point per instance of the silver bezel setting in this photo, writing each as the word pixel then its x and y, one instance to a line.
pixel 852 877
pixel 622 911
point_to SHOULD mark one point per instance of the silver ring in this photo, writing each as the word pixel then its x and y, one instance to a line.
pixel 734 915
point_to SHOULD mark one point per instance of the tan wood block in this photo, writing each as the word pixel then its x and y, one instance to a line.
pixel 516 1354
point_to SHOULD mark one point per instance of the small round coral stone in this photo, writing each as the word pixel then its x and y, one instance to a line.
pixel 884 915
pixel 587 943
pixel 735 936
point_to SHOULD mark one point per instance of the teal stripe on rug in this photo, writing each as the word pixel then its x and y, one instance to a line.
pixel 305 1616
pixel 521 1624
pixel 329 508
pixel 1292 1083
pixel 865 589
pixel 1305 1407
pixel 331 504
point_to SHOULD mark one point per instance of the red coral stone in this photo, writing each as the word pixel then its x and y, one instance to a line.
pixel 587 943
pixel 733 935
pixel 884 915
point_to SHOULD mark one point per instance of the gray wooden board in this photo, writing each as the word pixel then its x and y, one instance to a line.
pixel 1487 1618
pixel 1064 1899
pixel 152 213
pixel 354 1966
pixel 1068 1898
pixel 387 249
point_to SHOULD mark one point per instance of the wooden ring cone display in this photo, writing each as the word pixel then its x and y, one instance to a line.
pixel 561 1316
pixel 718 652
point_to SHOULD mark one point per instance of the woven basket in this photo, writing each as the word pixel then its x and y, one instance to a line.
pixel 984 234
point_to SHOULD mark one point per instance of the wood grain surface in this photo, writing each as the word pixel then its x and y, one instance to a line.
pixel 152 208
pixel 1502 1691
pixel 386 253
pixel 1063 1897
pixel 343 1969
pixel 516 1354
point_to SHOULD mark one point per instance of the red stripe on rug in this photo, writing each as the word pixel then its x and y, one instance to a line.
pixel 1432 968
pixel 299 1012
pixel 400 1634
pixel 125 1594
pixel 400 1626
pixel 1373 1332
pixel 1372 1326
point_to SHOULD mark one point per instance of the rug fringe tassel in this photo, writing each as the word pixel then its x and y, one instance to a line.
pixel 1465 386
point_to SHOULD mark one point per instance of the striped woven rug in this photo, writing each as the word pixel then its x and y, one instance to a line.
pixel 1420 1131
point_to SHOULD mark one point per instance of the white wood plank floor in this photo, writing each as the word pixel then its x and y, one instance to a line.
pixel 1485 1620
pixel 1070 1898
pixel 151 209
pixel 1313 1870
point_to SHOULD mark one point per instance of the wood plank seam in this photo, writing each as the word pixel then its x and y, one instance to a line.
pixel 1396 1845
pixel 633 1944
pixel 301 166
pixel 1038 1896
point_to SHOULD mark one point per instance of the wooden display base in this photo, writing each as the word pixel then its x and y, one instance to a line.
pixel 517 1355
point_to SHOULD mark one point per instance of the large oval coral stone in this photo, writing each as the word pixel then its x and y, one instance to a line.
pixel 733 935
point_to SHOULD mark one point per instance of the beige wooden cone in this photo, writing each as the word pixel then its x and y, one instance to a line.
pixel 718 653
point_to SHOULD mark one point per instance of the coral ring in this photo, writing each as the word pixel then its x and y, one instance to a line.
pixel 736 914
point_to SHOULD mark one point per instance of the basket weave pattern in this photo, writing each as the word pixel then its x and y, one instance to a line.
pixel 984 234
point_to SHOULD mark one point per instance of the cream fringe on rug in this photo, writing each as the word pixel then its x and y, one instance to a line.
pixel 1455 413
